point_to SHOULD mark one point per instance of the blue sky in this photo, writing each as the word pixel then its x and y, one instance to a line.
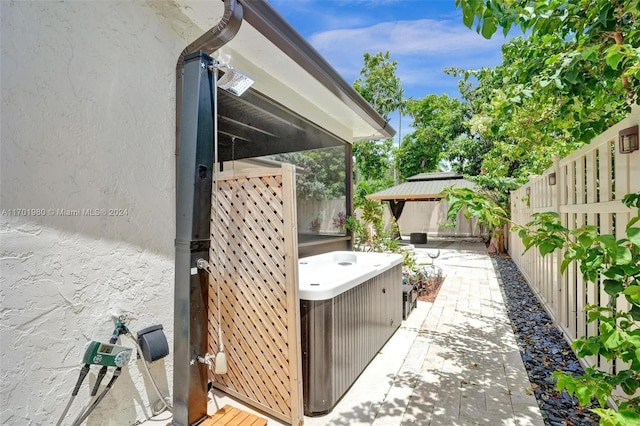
pixel 423 36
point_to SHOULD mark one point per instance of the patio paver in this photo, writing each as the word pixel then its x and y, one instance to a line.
pixel 454 362
pixel 472 373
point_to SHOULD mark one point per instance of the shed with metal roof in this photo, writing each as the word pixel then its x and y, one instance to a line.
pixel 427 213
pixel 422 187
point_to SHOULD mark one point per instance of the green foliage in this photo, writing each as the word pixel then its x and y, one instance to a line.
pixel 369 234
pixel 615 265
pixel 519 127
pixel 574 74
pixel 379 85
pixel 498 187
pixel 466 154
pixel 438 121
pixel 609 417
pixel 473 204
pixel 373 159
pixel 323 172
pixel 364 188
pixel 588 38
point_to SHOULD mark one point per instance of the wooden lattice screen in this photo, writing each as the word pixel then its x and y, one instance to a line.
pixel 254 259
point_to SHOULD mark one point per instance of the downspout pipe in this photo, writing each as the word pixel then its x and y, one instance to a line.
pixel 194 167
pixel 208 42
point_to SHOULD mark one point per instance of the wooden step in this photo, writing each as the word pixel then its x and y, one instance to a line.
pixel 231 416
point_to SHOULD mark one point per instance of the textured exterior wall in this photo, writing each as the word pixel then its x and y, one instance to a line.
pixel 88 105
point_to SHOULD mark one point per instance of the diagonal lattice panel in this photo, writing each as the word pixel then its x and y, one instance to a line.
pixel 253 259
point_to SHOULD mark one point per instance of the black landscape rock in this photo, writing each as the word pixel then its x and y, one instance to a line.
pixel 543 349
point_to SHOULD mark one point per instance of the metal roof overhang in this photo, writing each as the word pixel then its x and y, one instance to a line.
pixel 298 101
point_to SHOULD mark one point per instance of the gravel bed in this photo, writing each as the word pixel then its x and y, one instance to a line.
pixel 542 347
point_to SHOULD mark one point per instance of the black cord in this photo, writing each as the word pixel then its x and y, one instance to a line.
pixel 83 373
pixel 101 374
pixel 84 415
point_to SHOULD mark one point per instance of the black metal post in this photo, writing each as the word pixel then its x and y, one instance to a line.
pixel 193 209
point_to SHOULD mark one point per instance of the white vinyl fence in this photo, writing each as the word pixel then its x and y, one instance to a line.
pixel 589 186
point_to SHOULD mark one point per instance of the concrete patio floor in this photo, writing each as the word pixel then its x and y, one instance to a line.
pixel 454 362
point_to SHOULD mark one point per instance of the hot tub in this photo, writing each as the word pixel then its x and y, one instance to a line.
pixel 351 304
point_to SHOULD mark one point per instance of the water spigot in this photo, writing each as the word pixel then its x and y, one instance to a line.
pixel 206 359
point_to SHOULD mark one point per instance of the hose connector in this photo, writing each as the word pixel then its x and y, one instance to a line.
pixel 121 328
pixel 202 264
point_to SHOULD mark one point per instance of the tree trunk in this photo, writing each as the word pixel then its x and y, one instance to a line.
pixel 496 245
pixel 493 245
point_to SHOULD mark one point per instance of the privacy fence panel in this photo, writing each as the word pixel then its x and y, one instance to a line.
pixel 584 188
pixel 254 272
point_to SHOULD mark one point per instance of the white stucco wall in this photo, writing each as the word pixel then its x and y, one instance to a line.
pixel 88 105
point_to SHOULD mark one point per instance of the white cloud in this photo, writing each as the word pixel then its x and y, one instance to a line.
pixel 423 48
pixel 423 36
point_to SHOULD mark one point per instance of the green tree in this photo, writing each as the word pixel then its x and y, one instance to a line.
pixel 517 129
pixel 379 85
pixel 481 205
pixel 373 159
pixel 323 172
pixel 569 79
pixel 438 121
pixel 582 55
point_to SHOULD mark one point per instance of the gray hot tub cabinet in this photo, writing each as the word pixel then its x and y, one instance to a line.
pixel 340 337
